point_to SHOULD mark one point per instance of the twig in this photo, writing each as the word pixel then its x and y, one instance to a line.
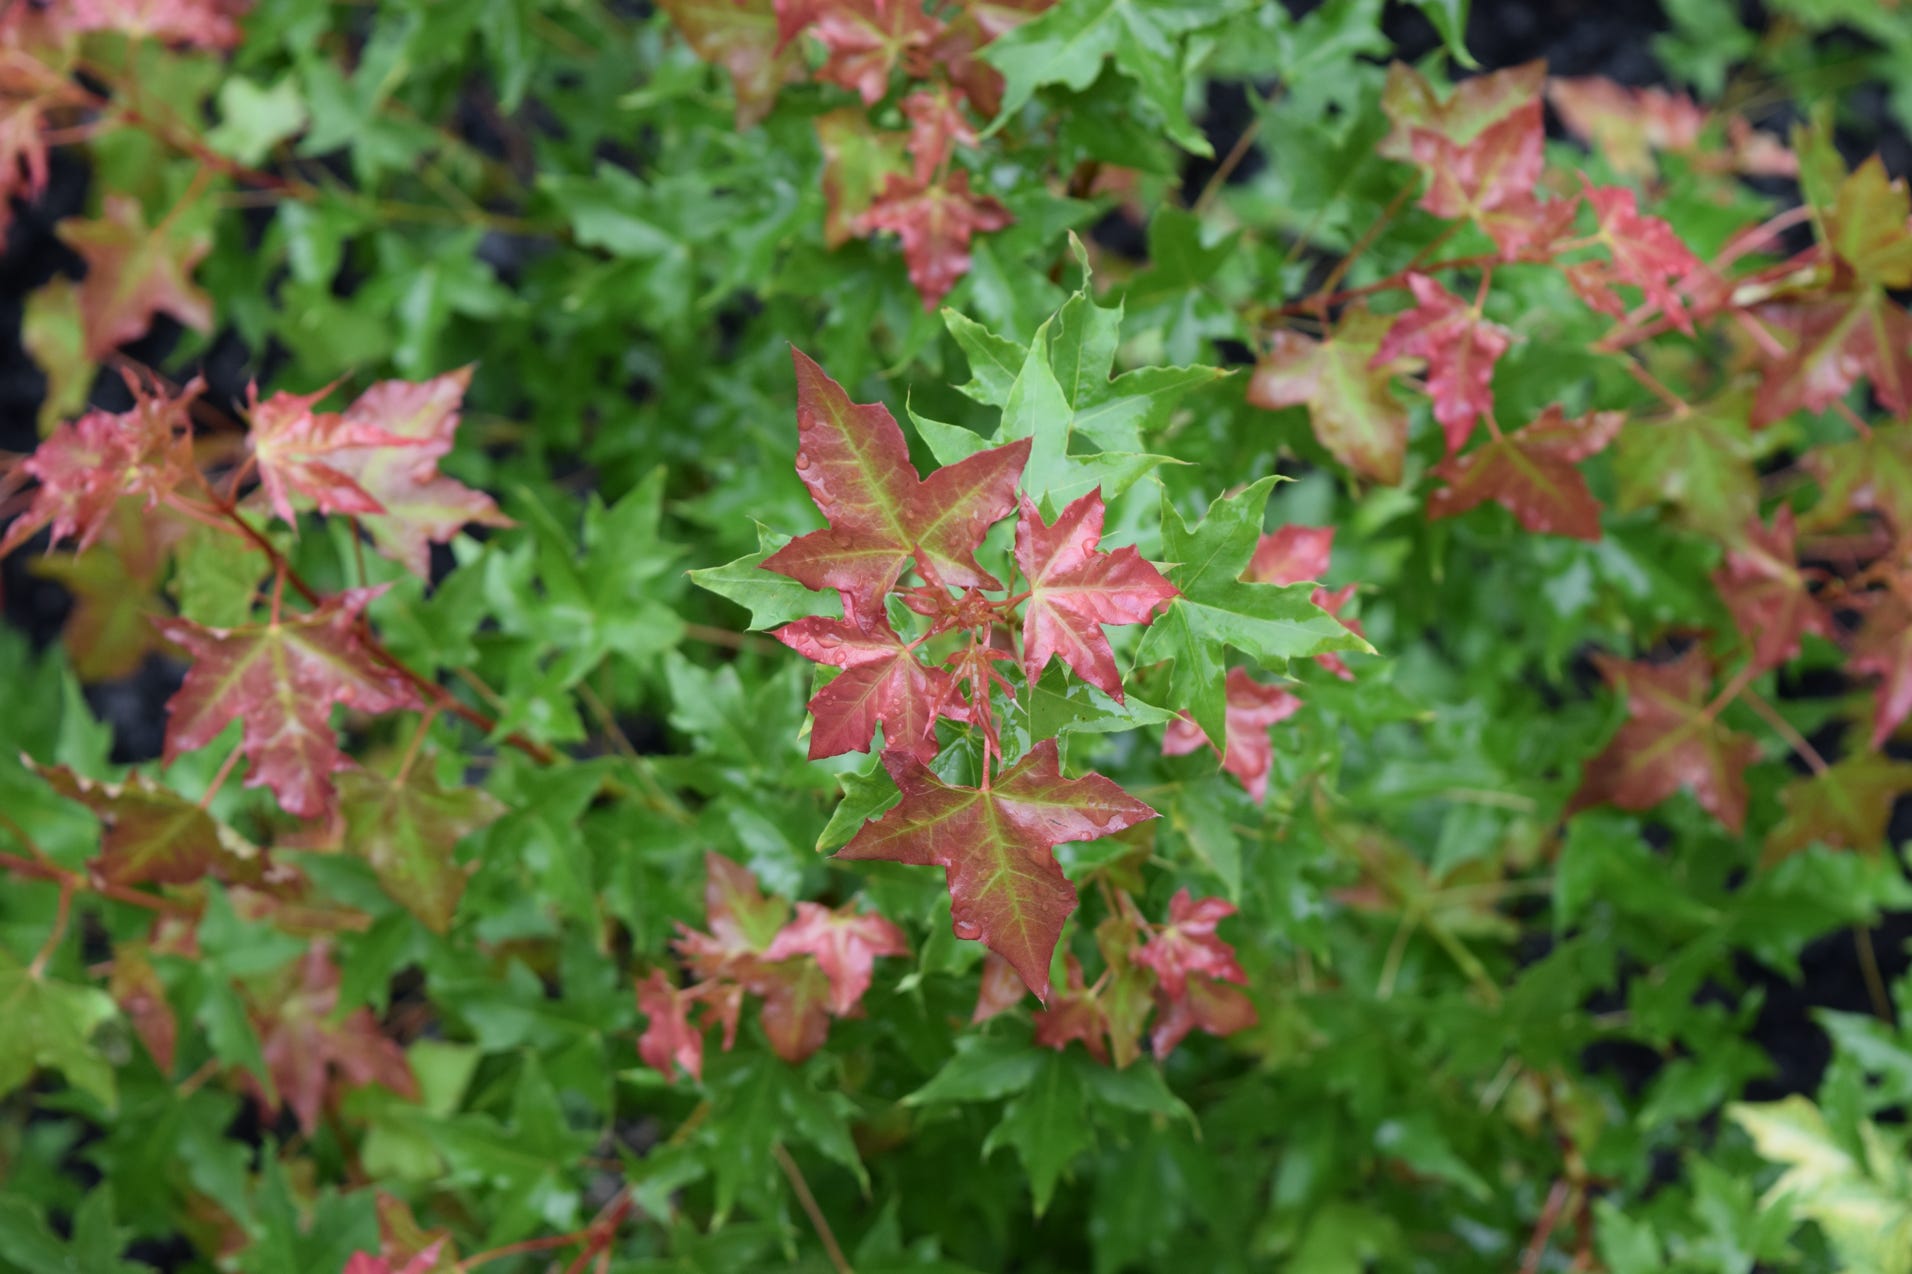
pixel 1543 1228
pixel 838 1261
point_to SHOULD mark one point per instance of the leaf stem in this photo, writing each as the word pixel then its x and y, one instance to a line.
pixel 219 779
pixel 60 918
pixel 838 1261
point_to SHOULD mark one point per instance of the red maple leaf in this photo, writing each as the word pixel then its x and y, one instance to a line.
pixel 1252 709
pixel 882 683
pixel 136 987
pixel 1644 253
pixel 996 845
pixel 868 39
pixel 1460 347
pixel 742 922
pixel 1763 587
pixel 207 24
pixel 281 679
pixel 1207 1005
pixel 937 127
pixel 857 465
pixel 418 506
pixel 305 453
pixel 1187 946
pixel 935 220
pixel 1671 739
pixel 1075 588
pixel 1076 1014
pixel 1830 344
pixel 85 467
pixel 27 89
pixel 1531 473
pixel 1000 989
pixel 310 1051
pixel 1348 393
pixel 845 944
pixel 1883 648
pixel 1291 554
pixel 151 834
pixel 423 1263
pixel 1480 148
pixel 745 38
pixel 669 1038
pixel 133 273
pixel 796 1010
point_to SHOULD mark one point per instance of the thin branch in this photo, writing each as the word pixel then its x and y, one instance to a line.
pixel 838 1262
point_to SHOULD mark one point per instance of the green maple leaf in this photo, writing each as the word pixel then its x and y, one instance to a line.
pixel 149 833
pixel 1848 806
pixel 1068 45
pixel 50 1024
pixel 772 600
pixel 407 830
pixel 1218 610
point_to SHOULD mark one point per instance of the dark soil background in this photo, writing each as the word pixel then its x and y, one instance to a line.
pixel 1576 37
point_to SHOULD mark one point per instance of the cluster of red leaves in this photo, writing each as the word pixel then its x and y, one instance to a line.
pixel 926 202
pixel 210 24
pixel 805 971
pixel 994 841
pixel 1292 555
pixel 1179 971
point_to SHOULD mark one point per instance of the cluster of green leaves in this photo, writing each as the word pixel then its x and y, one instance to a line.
pixel 505 895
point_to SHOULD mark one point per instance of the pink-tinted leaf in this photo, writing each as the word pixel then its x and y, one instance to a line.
pixel 1460 348
pixel 996 845
pixel 882 683
pixel 1669 741
pixel 1762 586
pixel 1252 709
pixel 935 220
pixel 845 944
pixel 855 462
pixel 1075 588
pixel 149 834
pixel 1882 648
pixel 937 127
pixel 1531 473
pixel 796 1010
pixel 1346 392
pixel 1075 1014
pixel 866 40
pixel 1291 555
pixel 310 1052
pixel 1830 344
pixel 303 453
pixel 1000 990
pixel 134 272
pixel 1644 253
pixel 1627 125
pixel 1208 1005
pixel 281 680
pixel 1188 946
pixel 669 1039
pixel 857 158
pixel 743 37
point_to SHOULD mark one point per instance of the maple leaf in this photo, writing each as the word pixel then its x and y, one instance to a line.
pixel 1076 1014
pixel 1206 1005
pixel 1644 251
pixel 1627 125
pixel 424 1262
pixel 1848 805
pixel 50 1025
pixel 300 451
pixel 1766 593
pixel 27 89
pixel 418 506
pixel 1218 609
pixel 999 990
pixel 854 460
pixel 868 39
pixel 935 220
pixel 1187 946
pixel 856 159
pixel 1883 648
pixel 1531 473
pixel 1670 740
pixel 882 683
pixel 796 1010
pixel 742 922
pixel 1830 344
pixel 1293 554
pixel 310 1050
pixel 1460 348
pixel 1480 148
pixel 207 24
pixel 1075 588
pixel 1700 462
pixel 845 943
pixel 133 273
pixel 281 679
pixel 1252 709
pixel 407 829
pixel 937 127
pixel 745 39
pixel 136 987
pixel 86 467
pixel 1345 389
pixel 1872 474
pixel 1869 226
pixel 669 1039
pixel 149 834
pixel 115 586
pixel 996 846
